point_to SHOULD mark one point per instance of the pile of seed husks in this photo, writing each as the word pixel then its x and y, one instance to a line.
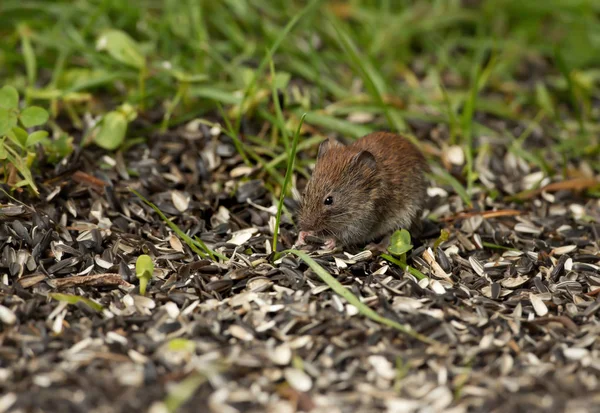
pixel 511 300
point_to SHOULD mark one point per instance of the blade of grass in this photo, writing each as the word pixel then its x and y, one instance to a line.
pixel 442 176
pixel 338 125
pixel 368 74
pixel 271 171
pixel 20 165
pixel 365 310
pixel 195 245
pixel 278 112
pixel 28 55
pixel 286 182
pixel 312 141
pixel 239 146
pixel 562 66
pixel 74 299
pixel 267 166
pixel 449 111
pixel 270 52
pixel 467 122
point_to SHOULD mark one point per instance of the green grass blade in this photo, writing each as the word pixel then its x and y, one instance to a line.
pixel 278 111
pixel 286 182
pixel 369 76
pixel 270 52
pixel 443 177
pixel 338 125
pixel 305 144
pixel 338 288
pixel 74 299
pixel 454 125
pixel 194 245
pixel 239 146
pixel 28 55
pixel 467 125
pixel 564 70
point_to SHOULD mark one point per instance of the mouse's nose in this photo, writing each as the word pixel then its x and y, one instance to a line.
pixel 306 224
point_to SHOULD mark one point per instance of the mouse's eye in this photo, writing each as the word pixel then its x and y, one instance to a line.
pixel 328 200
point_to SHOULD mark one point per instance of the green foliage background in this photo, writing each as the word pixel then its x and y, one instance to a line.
pixel 456 63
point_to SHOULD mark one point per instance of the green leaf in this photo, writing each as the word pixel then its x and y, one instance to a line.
pixel 9 98
pixel 33 116
pixel 36 137
pixel 112 131
pixel 122 47
pixel 58 149
pixel 18 136
pixel 8 120
pixel 400 242
pixel 21 183
pixel 144 267
pixel 74 299
pixel 3 153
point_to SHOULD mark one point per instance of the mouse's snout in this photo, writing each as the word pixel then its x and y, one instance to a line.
pixel 305 223
pixel 308 219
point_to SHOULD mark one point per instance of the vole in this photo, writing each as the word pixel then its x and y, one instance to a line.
pixel 363 191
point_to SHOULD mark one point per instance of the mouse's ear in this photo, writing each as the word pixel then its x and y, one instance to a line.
pixel 365 158
pixel 326 145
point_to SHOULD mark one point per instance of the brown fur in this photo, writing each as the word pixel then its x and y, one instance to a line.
pixel 372 195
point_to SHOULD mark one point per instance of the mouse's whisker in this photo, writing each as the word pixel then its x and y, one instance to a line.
pixel 342 215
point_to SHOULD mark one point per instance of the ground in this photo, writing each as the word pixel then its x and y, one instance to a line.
pixel 496 306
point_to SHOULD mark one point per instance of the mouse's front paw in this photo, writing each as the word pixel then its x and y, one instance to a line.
pixel 302 237
pixel 330 244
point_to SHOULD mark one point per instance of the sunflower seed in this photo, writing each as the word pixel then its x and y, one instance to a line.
pixel 298 379
pixel 538 305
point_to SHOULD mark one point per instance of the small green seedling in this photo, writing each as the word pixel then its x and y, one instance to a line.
pixel 144 267
pixel 113 127
pixel 444 235
pixel 16 144
pixel 400 243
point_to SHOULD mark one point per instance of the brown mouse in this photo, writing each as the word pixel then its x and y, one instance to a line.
pixel 363 191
